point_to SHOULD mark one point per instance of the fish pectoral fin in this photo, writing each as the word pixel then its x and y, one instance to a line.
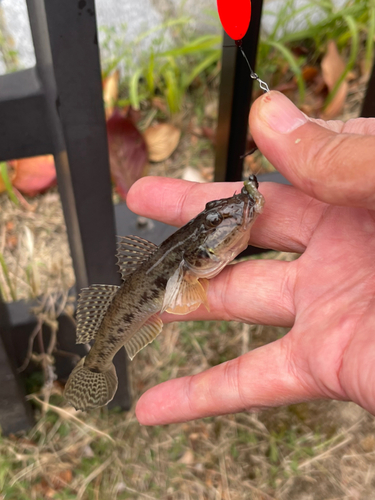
pixel 132 251
pixel 93 303
pixel 184 293
pixel 145 335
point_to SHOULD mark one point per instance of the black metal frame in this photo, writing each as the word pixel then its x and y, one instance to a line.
pixel 56 108
pixel 234 100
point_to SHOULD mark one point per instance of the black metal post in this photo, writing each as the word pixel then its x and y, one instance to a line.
pixel 234 101
pixel 15 412
pixel 45 72
pixel 67 53
pixel 368 106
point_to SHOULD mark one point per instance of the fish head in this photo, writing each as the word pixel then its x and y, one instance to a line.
pixel 223 231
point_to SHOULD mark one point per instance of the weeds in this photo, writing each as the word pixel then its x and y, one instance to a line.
pixel 8 53
pixel 159 70
pixel 7 183
pixel 170 73
pixel 106 454
pixel 348 25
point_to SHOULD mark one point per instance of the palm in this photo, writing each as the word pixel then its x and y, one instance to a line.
pixel 326 296
pixel 332 343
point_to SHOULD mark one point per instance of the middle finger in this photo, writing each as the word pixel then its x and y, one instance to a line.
pixel 287 223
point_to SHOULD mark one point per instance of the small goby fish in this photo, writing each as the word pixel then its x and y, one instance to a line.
pixel 172 277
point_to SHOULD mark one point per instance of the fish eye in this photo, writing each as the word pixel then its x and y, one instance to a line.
pixel 210 204
pixel 214 218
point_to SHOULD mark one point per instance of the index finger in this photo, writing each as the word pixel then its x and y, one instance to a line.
pixel 250 381
pixel 288 220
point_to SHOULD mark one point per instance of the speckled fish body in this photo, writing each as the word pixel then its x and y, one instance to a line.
pixel 172 277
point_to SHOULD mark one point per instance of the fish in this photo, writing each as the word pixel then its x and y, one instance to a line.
pixel 172 277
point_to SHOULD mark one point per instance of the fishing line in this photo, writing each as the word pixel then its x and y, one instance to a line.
pixel 263 85
pixel 249 153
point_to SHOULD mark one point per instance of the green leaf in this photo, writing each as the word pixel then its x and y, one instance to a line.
pixel 7 183
pixel 370 37
pixel 162 27
pixel 293 65
pixel 206 63
pixel 150 74
pixel 198 45
pixel 133 88
pixel 320 26
pixel 352 58
pixel 172 93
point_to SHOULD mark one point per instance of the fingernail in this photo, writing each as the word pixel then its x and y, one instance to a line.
pixel 280 114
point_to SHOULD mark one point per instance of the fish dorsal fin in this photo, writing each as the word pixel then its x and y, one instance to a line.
pixel 93 303
pixel 184 293
pixel 132 251
pixel 149 331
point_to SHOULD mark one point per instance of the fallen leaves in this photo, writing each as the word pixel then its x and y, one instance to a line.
pixel 333 67
pixel 161 140
pixel 2 185
pixel 127 152
pixel 110 92
pixel 187 458
pixel 34 175
pixel 50 484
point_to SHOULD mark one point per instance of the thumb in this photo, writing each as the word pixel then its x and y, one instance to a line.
pixel 334 167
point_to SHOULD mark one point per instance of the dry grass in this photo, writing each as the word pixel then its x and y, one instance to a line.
pixel 34 245
pixel 306 451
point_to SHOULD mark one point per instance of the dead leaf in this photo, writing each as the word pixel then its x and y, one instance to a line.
pixel 44 490
pixel 160 104
pixel 309 73
pixel 211 110
pixel 57 481
pixel 34 175
pixel 161 141
pixel 127 152
pixel 208 173
pixel 187 458
pixel 2 185
pixel 134 115
pixel 286 87
pixel 210 134
pixel 368 443
pixel 333 66
pixel 12 241
pixel 192 174
pixel 110 92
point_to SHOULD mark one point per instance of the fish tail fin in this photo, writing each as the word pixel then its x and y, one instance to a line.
pixel 86 390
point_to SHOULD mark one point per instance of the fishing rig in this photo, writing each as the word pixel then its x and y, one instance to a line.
pixel 235 16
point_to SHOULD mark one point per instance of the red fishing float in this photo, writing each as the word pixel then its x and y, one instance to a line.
pixel 235 17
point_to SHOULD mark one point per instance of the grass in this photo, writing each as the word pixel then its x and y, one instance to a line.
pixel 179 65
pixel 272 454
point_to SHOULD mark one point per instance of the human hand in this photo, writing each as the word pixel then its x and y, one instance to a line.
pixel 327 296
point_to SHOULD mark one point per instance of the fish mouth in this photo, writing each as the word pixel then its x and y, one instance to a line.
pixel 250 188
